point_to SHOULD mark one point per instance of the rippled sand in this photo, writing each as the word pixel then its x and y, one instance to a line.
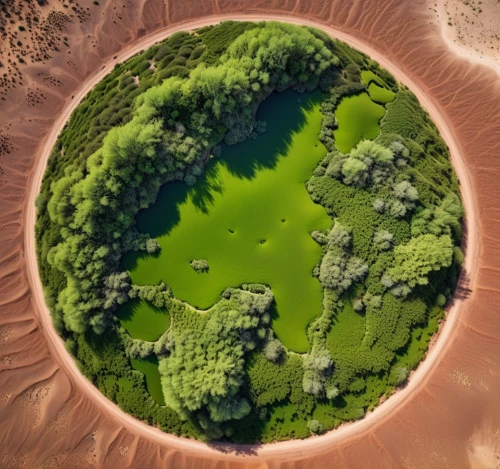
pixel 452 418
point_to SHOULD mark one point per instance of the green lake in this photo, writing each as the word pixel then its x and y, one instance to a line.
pixel 250 216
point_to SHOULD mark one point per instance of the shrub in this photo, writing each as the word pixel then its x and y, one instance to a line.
pixel 200 265
pixel 274 350
pixel 338 271
pixel 315 427
pixel 415 260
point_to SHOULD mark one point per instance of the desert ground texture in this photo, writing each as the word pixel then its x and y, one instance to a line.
pixel 448 416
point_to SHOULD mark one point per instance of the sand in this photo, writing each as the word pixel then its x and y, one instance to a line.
pixel 448 416
pixel 471 29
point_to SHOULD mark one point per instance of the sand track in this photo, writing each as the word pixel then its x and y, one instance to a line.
pixel 419 425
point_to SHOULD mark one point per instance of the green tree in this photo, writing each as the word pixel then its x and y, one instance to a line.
pixel 415 260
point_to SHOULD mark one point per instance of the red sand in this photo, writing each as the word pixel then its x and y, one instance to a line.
pixel 448 416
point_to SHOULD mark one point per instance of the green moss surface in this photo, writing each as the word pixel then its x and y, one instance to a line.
pixel 358 119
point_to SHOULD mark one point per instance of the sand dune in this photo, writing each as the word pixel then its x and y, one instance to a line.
pixel 448 416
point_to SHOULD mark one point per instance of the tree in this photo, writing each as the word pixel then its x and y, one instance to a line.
pixel 355 172
pixel 200 265
pixel 116 290
pixel 441 220
pixel 372 152
pixel 331 392
pixel 368 163
pixel 152 246
pixel 274 350
pixel 317 365
pixel 339 236
pixel 405 191
pixel 383 240
pixel 315 427
pixel 415 260
pixel 338 270
pixel 319 237
pixel 378 205
pixel 398 375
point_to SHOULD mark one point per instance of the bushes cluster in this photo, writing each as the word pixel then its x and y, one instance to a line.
pixel 339 269
pixel 415 260
pixel 392 208
pixel 103 361
pixel 158 295
pixel 203 375
pixel 200 265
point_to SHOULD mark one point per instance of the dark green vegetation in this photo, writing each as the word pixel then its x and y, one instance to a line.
pixel 383 253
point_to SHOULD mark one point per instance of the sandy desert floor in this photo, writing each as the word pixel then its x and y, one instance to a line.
pixel 471 28
pixel 448 416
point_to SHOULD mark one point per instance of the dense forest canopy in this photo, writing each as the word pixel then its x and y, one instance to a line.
pixel 389 262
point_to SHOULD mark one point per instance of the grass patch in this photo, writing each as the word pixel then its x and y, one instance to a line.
pixel 149 366
pixel 380 95
pixel 142 320
pixel 358 119
pixel 367 77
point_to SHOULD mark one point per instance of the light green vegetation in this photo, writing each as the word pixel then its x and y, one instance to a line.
pixel 367 77
pixel 143 321
pixel 377 88
pixel 149 366
pixel 203 368
pixel 250 216
pixel 358 119
pixel 380 95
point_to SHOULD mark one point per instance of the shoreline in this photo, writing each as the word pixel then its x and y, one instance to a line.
pixel 291 447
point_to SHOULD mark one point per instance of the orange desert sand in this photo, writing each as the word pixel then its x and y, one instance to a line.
pixel 448 416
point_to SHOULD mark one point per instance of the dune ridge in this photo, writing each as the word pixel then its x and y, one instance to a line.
pixel 66 423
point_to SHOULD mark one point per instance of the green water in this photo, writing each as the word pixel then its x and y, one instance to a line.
pixel 149 366
pixel 250 217
pixel 377 88
pixel 367 77
pixel 358 119
pixel 142 320
pixel 380 95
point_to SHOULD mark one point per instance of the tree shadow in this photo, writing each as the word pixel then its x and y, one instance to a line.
pixel 462 290
pixel 237 449
pixel 130 259
pixel 285 114
pixel 126 311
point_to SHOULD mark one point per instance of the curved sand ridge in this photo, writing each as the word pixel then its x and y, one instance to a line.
pixel 282 448
pixel 399 439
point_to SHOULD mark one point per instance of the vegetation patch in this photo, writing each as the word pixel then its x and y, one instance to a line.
pixel 248 233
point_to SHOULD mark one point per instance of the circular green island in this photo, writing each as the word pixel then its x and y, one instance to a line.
pixel 248 233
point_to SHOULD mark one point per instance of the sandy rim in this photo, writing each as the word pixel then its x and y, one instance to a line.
pixel 291 448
